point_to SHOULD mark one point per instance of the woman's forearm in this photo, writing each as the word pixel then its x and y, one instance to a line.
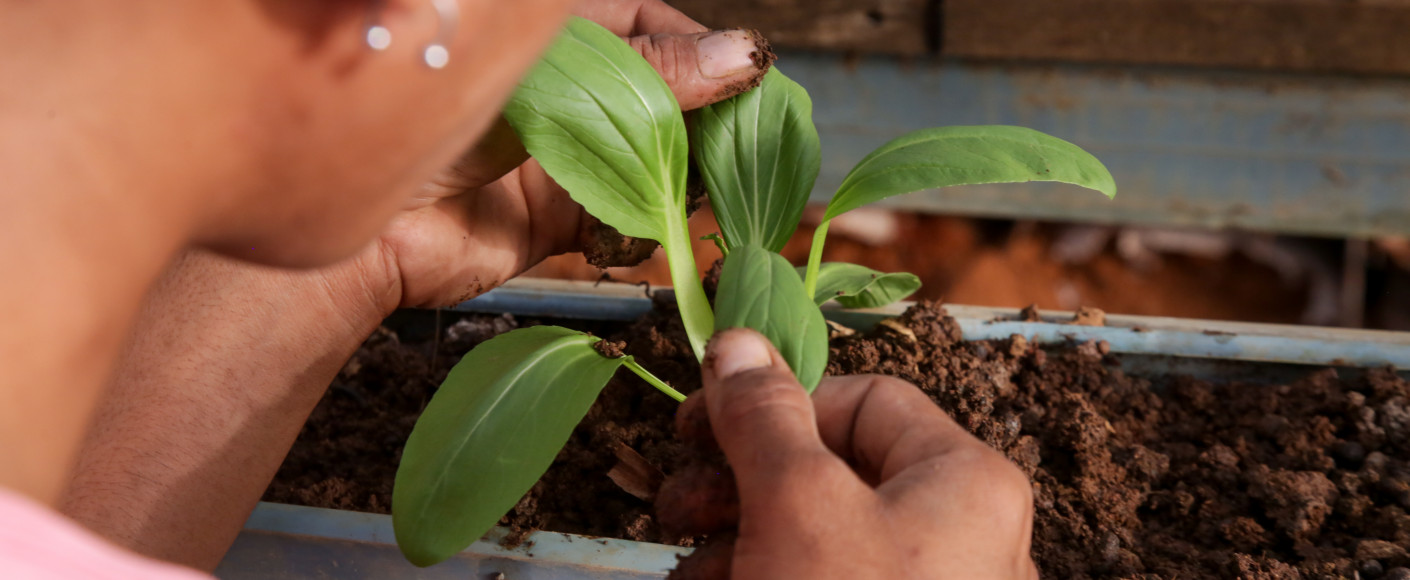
pixel 224 366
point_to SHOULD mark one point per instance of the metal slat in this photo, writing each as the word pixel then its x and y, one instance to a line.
pixel 1140 335
pixel 284 542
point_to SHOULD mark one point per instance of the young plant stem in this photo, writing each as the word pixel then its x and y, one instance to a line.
pixel 695 310
pixel 719 243
pixel 810 281
pixel 653 381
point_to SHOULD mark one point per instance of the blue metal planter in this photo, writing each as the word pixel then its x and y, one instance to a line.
pixel 288 542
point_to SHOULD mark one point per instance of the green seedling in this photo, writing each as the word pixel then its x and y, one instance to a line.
pixel 607 128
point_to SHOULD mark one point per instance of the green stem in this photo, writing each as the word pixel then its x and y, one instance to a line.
pixel 719 243
pixel 695 310
pixel 810 281
pixel 653 381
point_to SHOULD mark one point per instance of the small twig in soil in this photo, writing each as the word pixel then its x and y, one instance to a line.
pixel 608 277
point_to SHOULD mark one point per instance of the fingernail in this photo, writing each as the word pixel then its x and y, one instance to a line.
pixel 726 53
pixel 736 352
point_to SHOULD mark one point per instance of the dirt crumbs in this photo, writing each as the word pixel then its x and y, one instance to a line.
pixel 1308 480
pixel 347 454
pixel 610 348
pixel 604 247
pixel 1088 316
pixel 1185 479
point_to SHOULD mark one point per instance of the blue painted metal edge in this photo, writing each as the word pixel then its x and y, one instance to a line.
pixel 1270 343
pixel 563 299
pixel 1242 347
pixel 598 554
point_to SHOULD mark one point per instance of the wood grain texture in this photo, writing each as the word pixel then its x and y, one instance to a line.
pixel 1368 36
pixel 900 27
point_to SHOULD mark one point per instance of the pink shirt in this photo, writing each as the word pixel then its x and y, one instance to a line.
pixel 38 544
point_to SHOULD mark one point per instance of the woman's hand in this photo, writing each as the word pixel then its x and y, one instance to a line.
pixel 228 358
pixel 865 479
pixel 497 213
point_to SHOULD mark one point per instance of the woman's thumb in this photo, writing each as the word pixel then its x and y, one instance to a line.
pixel 708 67
pixel 762 418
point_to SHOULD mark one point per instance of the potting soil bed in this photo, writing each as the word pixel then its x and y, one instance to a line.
pixel 1169 477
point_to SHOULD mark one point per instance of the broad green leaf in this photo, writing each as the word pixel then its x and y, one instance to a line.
pixel 606 127
pixel 933 158
pixel 489 433
pixel 760 290
pixel 759 155
pixel 856 286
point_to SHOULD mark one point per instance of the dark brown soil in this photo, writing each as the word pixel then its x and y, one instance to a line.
pixel 1182 479
pixel 604 247
pixel 347 454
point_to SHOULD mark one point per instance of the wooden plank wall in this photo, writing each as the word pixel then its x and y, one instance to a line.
pixel 1303 35
pixel 1326 36
pixel 905 27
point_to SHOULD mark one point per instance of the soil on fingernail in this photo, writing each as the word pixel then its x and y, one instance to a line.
pixel 763 57
pixel 1166 477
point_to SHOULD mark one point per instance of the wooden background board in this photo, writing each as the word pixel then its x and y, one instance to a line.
pixel 1337 36
pixel 902 27
pixel 1370 37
